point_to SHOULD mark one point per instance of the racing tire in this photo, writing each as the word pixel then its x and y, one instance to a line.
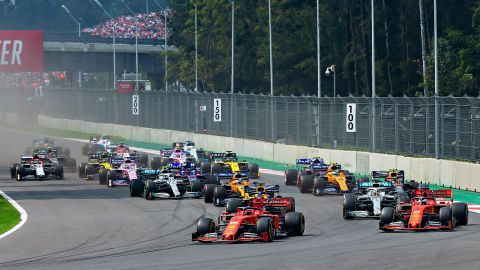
pixel 205 226
pixel 111 176
pixel 102 176
pixel 156 163
pixel 253 171
pixel 205 167
pixel 294 224
pixel 445 215
pixel 58 172
pixel 90 169
pixel 319 184
pixel 136 188
pixel 144 160
pixel 215 168
pixel 81 170
pixel 386 216
pixel 291 177
pixel 72 163
pixel 219 194
pixel 306 183
pixel 164 162
pixel 20 173
pixel 208 190
pixel 265 226
pixel 460 213
pixel 232 206
pixel 85 149
pixel 349 205
pixel 196 186
pixel 148 189
pixel 13 170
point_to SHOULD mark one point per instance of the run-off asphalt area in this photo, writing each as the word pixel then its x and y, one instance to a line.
pixel 75 224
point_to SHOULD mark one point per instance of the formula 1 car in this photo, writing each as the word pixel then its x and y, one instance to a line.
pixel 370 199
pixel 333 182
pixel 47 144
pixel 238 191
pixel 165 185
pixel 428 210
pixel 225 165
pixel 35 167
pixel 397 178
pixel 260 221
pixel 68 163
pixel 305 166
pixel 118 175
pixel 171 156
pixel 89 170
pixel 95 139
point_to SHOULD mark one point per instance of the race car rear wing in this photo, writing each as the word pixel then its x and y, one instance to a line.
pixel 166 152
pixel 440 193
pixel 384 174
pixel 374 184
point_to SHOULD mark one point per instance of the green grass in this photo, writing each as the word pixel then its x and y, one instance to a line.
pixel 9 216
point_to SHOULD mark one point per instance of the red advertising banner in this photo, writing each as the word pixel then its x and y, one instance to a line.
pixel 21 51
pixel 124 87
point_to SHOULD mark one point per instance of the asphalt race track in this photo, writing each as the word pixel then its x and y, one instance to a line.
pixel 75 224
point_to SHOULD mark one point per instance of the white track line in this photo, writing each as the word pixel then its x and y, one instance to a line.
pixel 23 215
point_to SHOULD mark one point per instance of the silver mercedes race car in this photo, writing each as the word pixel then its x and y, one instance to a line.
pixel 370 198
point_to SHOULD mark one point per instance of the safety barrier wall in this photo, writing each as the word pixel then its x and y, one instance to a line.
pixel 457 174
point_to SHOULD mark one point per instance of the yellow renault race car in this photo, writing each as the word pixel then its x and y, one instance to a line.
pixel 225 165
pixel 238 187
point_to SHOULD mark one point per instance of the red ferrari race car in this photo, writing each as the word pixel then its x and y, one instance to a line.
pixel 427 210
pixel 260 221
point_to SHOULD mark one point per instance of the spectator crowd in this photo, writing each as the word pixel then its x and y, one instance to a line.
pixel 150 26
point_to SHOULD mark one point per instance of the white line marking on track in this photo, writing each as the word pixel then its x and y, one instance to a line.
pixel 23 215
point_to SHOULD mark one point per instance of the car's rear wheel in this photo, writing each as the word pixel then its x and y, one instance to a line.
pixel 81 170
pixel 148 190
pixel 205 167
pixel 102 176
pixel 291 177
pixel 156 163
pixel 460 212
pixel 306 183
pixel 136 188
pixel 319 184
pixel 58 172
pixel 232 205
pixel 208 190
pixel 294 224
pixel 216 168
pixel 219 194
pixel 196 186
pixel 253 171
pixel 111 176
